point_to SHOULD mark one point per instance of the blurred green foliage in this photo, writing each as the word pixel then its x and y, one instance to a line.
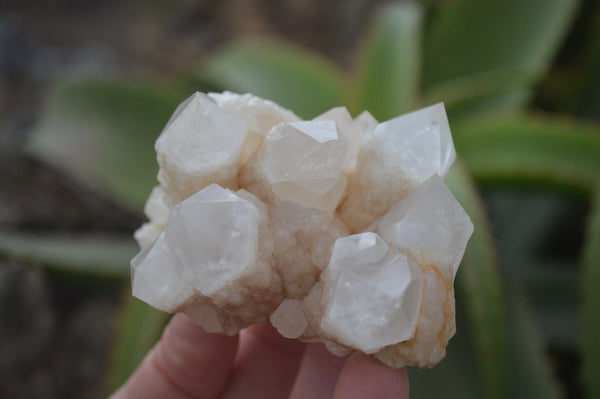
pixel 118 120
pixel 484 59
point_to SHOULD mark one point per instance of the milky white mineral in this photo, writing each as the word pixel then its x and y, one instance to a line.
pixel 336 230
pixel 302 162
pixel 391 284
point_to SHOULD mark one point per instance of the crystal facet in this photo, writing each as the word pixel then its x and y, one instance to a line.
pixel 397 156
pixel 302 162
pixel 289 318
pixel 191 155
pixel 349 130
pixel 218 243
pixel 417 144
pixel 430 224
pixel 259 115
pixel 214 236
pixel 390 285
pixel 156 281
pixel 335 230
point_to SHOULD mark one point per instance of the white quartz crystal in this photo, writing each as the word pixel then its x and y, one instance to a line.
pixel 214 236
pixel 289 318
pixel 156 281
pixel 191 153
pixel 349 130
pixel 365 123
pixel 417 144
pixel 217 242
pixel 390 284
pixel 430 224
pixel 335 230
pixel 396 157
pixel 302 162
pixel 259 115
pixel 435 326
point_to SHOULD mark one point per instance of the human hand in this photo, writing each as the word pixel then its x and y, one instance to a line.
pixel 258 363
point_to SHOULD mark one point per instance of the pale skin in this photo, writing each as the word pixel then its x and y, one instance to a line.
pixel 188 363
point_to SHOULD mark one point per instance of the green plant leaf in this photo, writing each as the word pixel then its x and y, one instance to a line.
pixel 89 255
pixel 587 102
pixel 291 76
pixel 524 218
pixel 103 132
pixel 479 279
pixel 591 302
pixel 530 374
pixel 546 150
pixel 538 237
pixel 466 91
pixel 473 37
pixel 390 61
pixel 552 289
pixel 139 327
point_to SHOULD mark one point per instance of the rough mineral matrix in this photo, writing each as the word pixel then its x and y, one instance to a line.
pixel 336 229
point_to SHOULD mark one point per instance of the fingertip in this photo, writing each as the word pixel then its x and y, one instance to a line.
pixel 266 365
pixel 268 337
pixel 365 377
pixel 186 362
pixel 318 373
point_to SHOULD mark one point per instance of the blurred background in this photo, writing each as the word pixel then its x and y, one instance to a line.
pixel 86 87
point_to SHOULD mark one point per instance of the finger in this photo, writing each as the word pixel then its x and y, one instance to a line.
pixel 365 377
pixel 318 373
pixel 266 366
pixel 186 363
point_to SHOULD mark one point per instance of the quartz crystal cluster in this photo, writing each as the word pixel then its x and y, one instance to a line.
pixel 336 229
